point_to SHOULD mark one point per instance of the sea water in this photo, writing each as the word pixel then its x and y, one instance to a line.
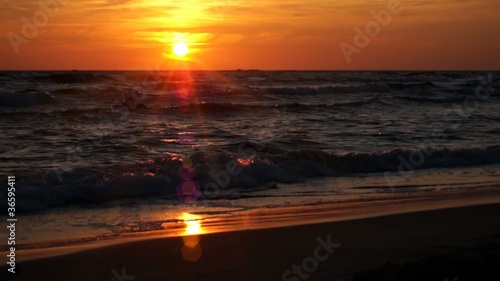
pixel 110 152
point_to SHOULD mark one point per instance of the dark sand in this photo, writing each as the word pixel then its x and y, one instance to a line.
pixel 265 254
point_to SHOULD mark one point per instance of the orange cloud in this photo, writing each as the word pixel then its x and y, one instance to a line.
pixel 264 34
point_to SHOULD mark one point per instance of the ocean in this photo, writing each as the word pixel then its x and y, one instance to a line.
pixel 99 154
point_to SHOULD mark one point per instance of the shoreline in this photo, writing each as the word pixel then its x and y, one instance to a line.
pixel 370 235
pixel 265 254
pixel 270 218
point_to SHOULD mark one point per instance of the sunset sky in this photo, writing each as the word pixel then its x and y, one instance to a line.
pixel 262 34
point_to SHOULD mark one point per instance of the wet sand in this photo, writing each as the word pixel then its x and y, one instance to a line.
pixel 334 250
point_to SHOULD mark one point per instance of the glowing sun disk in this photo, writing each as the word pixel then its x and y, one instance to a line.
pixel 180 49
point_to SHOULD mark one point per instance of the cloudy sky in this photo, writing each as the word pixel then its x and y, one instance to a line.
pixel 262 34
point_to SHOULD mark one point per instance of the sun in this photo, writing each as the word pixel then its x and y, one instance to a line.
pixel 180 49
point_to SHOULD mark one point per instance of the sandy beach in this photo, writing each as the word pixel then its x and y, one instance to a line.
pixel 339 250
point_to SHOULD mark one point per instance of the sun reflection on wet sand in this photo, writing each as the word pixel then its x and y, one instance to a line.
pixel 193 224
pixel 191 251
